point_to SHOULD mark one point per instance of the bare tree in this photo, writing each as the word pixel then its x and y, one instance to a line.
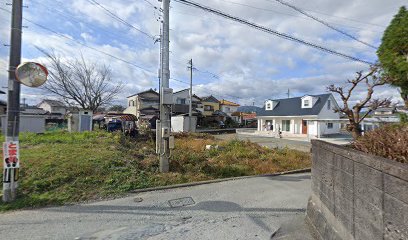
pixel 87 84
pixel 372 79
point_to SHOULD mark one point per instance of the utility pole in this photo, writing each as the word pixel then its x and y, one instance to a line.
pixel 164 127
pixel 190 107
pixel 10 175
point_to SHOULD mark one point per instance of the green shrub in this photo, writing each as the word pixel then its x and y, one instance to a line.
pixel 389 141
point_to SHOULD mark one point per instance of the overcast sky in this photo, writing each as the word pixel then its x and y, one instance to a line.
pixel 233 61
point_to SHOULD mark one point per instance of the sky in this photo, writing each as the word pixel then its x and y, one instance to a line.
pixel 232 61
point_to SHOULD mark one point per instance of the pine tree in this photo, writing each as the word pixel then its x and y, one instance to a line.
pixel 393 52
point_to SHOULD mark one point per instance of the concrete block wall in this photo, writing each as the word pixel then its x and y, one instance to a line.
pixel 356 195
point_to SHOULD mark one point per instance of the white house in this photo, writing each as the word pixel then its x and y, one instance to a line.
pixel 229 108
pixel 144 105
pixel 181 100
pixel 307 116
pixel 55 109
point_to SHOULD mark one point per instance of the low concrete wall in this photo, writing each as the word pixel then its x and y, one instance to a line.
pixel 356 195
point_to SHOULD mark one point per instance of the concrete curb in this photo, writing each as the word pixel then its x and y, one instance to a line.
pixel 304 170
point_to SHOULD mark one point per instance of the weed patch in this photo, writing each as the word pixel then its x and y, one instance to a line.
pixel 61 167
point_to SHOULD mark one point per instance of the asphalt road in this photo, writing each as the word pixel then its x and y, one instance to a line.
pixel 270 142
pixel 251 208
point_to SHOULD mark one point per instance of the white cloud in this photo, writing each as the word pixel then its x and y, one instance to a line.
pixel 252 65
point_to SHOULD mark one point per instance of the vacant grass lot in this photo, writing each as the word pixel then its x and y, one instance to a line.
pixel 59 168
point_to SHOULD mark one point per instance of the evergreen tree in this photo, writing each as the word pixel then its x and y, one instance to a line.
pixel 393 52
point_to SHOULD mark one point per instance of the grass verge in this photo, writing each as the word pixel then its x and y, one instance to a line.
pixel 59 168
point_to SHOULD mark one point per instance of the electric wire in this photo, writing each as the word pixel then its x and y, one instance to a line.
pixel 324 23
pixel 114 16
pixel 108 54
pixel 270 31
pixel 69 16
pixel 292 15
pixel 83 44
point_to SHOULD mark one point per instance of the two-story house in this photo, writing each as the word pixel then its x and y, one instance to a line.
pixel 181 100
pixel 228 107
pixel 144 105
pixel 210 105
pixel 310 115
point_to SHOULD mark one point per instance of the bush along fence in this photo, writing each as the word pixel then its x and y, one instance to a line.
pixel 356 195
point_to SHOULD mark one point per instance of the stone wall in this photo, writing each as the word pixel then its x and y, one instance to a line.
pixel 356 195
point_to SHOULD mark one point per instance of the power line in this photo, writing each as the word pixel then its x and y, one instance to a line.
pixel 69 16
pixel 83 44
pixel 151 4
pixel 212 92
pixel 345 18
pixel 287 14
pixel 270 31
pixel 114 16
pixel 324 23
pixel 110 55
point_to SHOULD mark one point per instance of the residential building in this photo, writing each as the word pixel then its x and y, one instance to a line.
pixel 380 116
pixel 310 115
pixel 144 105
pixel 55 109
pixel 243 117
pixel 33 110
pixel 228 107
pixel 181 101
pixel 210 105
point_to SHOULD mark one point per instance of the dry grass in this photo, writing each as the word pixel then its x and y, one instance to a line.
pixel 59 168
pixel 390 141
pixel 233 158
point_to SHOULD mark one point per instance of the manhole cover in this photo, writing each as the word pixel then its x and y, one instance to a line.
pixel 181 202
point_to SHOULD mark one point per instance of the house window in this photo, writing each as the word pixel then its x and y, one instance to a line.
pixel 181 101
pixel 286 125
pixel 305 103
pixel 131 103
pixel 268 106
pixel 328 105
pixel 227 109
pixel 208 108
pixel 329 125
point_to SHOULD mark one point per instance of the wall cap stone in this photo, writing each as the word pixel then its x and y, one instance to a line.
pixel 391 167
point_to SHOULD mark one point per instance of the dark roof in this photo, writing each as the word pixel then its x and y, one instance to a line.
pixel 53 103
pixel 249 109
pixel 147 91
pixel 293 107
pixel 149 108
pixel 199 99
pixel 210 98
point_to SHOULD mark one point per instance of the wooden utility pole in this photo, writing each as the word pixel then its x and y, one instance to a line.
pixel 10 173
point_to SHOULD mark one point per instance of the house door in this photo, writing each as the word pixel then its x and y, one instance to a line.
pixel 304 127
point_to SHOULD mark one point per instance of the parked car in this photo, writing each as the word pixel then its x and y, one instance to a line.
pixel 114 126
pixel 221 124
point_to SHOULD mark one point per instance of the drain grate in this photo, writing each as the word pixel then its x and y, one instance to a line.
pixel 181 202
